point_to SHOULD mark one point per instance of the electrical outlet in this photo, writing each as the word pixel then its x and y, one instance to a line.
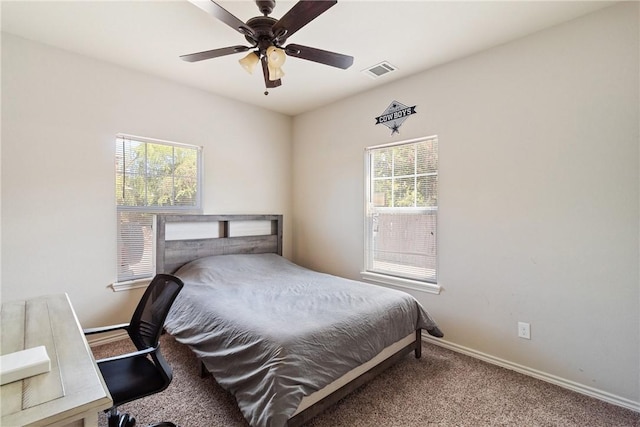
pixel 524 330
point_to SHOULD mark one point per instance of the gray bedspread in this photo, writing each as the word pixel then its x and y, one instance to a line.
pixel 272 332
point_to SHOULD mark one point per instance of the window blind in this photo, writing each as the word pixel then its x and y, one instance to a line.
pixel 401 209
pixel 135 245
pixel 151 177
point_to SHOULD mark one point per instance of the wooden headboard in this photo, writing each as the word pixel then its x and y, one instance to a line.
pixel 184 238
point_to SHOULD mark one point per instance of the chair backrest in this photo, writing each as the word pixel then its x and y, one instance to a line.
pixel 148 319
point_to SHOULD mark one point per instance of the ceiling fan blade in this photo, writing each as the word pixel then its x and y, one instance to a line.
pixel 208 54
pixel 300 15
pixel 318 55
pixel 265 70
pixel 225 16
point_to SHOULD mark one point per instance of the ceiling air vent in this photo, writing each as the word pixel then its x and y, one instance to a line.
pixel 379 70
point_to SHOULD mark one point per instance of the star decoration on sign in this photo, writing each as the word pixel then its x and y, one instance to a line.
pixel 395 114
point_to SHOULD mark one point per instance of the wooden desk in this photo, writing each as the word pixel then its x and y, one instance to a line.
pixel 73 392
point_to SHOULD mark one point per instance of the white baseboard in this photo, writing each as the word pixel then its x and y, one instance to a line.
pixel 100 340
pixel 571 385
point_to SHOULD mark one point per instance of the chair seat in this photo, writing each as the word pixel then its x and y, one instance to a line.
pixel 131 378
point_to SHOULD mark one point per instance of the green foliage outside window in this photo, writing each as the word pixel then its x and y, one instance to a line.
pixel 406 176
pixel 155 175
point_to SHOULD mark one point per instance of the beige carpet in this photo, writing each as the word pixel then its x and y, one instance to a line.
pixel 443 388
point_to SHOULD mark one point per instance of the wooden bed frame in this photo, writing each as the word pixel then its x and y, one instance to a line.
pixel 179 241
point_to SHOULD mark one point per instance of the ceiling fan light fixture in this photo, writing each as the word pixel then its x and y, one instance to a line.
pixel 249 62
pixel 275 60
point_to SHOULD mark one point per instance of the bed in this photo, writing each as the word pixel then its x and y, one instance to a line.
pixel 286 341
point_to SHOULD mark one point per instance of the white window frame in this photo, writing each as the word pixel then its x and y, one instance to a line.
pixel 139 282
pixel 391 278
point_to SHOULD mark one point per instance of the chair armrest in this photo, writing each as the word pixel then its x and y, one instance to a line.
pixel 101 329
pixel 128 355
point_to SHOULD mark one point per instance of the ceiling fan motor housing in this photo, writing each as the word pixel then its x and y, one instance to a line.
pixel 262 26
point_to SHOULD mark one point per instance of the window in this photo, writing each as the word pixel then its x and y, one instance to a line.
pixel 151 177
pixel 401 213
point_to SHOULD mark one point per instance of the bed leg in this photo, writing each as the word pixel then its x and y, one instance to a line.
pixel 418 349
pixel 204 373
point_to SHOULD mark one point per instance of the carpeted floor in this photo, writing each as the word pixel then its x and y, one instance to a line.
pixel 443 388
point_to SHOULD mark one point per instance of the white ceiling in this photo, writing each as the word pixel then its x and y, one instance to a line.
pixel 412 35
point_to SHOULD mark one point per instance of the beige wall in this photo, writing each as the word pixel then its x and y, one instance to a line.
pixel 539 193
pixel 539 186
pixel 60 115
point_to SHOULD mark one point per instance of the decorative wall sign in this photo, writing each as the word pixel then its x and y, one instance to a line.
pixel 395 115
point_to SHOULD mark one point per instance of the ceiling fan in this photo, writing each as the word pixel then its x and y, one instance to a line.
pixel 267 36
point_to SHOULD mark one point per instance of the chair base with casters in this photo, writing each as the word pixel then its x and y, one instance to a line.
pixel 117 419
pixel 143 372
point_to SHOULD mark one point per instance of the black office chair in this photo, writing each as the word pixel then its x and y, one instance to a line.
pixel 144 372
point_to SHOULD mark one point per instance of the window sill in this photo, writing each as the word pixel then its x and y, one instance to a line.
pixel 397 282
pixel 130 285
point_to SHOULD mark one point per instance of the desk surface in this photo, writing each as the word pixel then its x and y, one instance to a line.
pixel 73 388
